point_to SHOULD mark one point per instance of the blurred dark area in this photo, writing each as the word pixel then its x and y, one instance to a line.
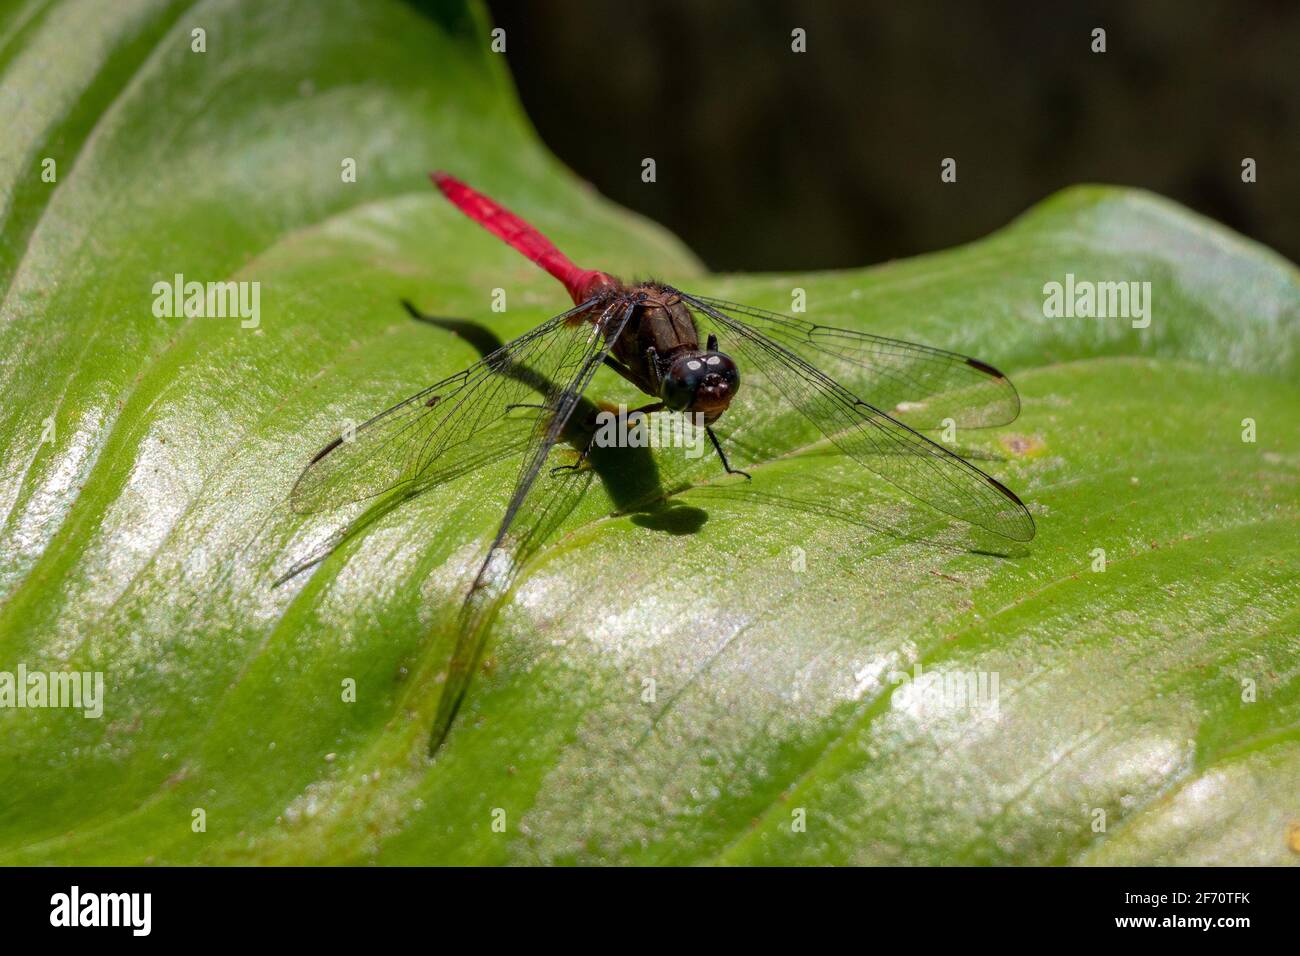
pixel 769 159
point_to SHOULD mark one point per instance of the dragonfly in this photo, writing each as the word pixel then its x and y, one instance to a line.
pixel 868 395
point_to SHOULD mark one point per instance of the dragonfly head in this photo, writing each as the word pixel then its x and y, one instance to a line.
pixel 703 382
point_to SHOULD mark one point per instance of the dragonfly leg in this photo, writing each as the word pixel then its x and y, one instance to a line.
pixel 582 459
pixel 652 363
pixel 617 366
pixel 723 455
pixel 649 409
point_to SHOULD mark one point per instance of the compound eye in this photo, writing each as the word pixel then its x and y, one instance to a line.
pixel 718 364
pixel 681 382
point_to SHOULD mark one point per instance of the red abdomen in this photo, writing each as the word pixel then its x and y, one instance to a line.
pixel 582 284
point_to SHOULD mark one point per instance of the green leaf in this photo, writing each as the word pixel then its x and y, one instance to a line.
pixel 147 459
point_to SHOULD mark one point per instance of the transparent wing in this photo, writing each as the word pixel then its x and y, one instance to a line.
pixel 444 428
pixel 916 384
pixel 892 450
pixel 529 518
pixel 569 382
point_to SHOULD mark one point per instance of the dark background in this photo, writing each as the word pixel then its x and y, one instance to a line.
pixel 772 160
